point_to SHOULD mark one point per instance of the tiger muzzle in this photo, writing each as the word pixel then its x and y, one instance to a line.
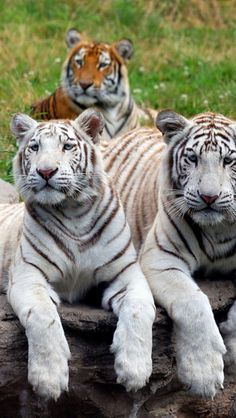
pixel 47 174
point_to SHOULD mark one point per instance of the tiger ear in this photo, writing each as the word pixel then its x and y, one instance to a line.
pixel 91 122
pixel 124 48
pixel 170 123
pixel 21 125
pixel 72 38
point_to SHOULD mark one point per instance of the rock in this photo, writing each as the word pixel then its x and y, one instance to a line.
pixel 8 193
pixel 93 390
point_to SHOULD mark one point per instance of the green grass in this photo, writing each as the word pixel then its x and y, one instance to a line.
pixel 185 53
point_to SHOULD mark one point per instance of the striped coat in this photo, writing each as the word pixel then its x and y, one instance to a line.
pixel 132 162
pixel 193 191
pixel 70 235
pixel 95 75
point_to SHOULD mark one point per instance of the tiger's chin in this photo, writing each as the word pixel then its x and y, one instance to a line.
pixel 87 100
pixel 84 100
pixel 208 217
pixel 47 197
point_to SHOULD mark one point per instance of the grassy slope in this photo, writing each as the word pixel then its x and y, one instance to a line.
pixel 185 52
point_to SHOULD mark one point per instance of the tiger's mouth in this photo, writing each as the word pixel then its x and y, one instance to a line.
pixel 45 187
pixel 213 216
pixel 84 99
pixel 209 210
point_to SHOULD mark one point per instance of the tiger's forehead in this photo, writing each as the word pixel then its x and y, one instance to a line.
pixel 211 132
pixel 92 49
pixel 212 120
pixel 54 130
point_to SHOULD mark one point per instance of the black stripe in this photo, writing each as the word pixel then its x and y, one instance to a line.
pixel 179 232
pixel 109 133
pixel 102 213
pixel 33 265
pixel 223 136
pixel 54 102
pixel 118 233
pixel 97 235
pixel 118 255
pixel 125 116
pixel 121 291
pixel 169 252
pixel 198 233
pixel 125 268
pixel 55 238
pixel 40 252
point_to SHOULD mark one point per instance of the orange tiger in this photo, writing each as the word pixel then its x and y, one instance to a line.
pixel 95 74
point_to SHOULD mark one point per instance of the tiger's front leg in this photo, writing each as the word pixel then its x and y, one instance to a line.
pixel 131 300
pixel 199 345
pixel 32 299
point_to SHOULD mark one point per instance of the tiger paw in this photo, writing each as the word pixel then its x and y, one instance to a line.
pixel 48 370
pixel 49 382
pixel 200 366
pixel 133 362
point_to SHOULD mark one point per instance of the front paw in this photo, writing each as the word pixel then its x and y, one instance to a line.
pixel 133 362
pixel 48 370
pixel 200 364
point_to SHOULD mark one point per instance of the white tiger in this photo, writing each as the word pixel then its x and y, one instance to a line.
pixel 71 234
pixel 194 229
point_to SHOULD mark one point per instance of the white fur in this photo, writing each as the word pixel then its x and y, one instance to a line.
pixel 71 266
pixel 186 234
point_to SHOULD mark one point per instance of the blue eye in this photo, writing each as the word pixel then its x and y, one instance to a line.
pixel 192 158
pixel 68 147
pixel 34 147
pixel 227 160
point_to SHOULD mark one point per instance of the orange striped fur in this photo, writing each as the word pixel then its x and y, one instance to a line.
pixel 95 74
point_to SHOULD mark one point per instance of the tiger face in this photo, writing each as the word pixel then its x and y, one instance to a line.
pixel 202 155
pixel 58 160
pixel 95 73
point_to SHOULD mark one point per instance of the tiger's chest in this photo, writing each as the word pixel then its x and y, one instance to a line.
pixel 218 253
pixel 81 275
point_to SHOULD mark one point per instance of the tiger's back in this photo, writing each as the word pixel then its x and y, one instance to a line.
pixel 132 162
pixel 56 106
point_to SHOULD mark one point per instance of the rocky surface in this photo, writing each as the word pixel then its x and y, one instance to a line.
pixel 8 193
pixel 93 389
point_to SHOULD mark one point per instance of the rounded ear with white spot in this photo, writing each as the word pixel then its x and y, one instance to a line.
pixel 124 48
pixel 72 38
pixel 91 122
pixel 21 125
pixel 170 123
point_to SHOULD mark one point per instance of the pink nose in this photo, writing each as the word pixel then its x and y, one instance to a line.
pixel 208 199
pixel 47 174
pixel 85 84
